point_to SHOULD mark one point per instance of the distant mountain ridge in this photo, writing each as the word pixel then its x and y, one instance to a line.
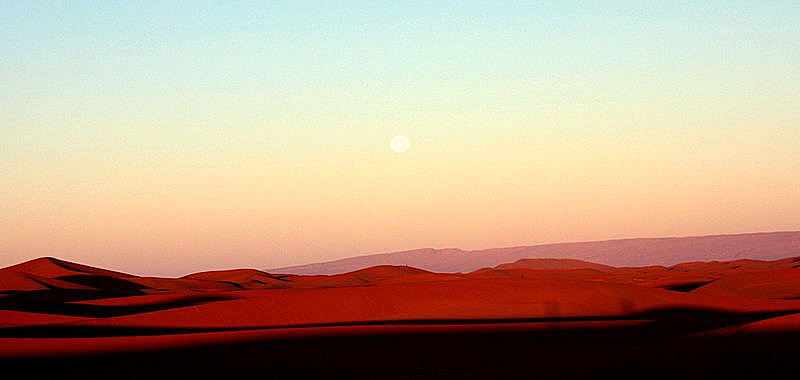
pixel 618 253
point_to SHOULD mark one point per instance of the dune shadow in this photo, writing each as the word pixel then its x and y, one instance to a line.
pixel 614 352
pixel 687 287
pixel 106 283
pixel 59 302
pixel 664 322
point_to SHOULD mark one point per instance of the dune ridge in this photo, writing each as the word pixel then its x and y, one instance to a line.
pixel 52 309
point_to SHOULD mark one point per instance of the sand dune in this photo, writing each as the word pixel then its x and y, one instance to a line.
pixel 241 278
pixel 51 267
pixel 555 264
pixel 779 284
pixel 529 288
pixel 51 308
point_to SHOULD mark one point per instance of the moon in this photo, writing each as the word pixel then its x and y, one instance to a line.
pixel 400 143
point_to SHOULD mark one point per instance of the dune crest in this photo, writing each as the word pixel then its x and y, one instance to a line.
pixel 51 308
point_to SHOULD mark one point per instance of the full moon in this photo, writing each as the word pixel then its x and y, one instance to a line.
pixel 400 143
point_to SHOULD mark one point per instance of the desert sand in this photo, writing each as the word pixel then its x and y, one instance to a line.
pixel 557 318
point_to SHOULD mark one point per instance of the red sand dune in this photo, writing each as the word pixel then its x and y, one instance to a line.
pixel 47 273
pixel 11 318
pixel 51 267
pixel 157 285
pixel 242 278
pixel 367 276
pixel 779 284
pixel 14 280
pixel 555 264
pixel 50 307
pixel 466 299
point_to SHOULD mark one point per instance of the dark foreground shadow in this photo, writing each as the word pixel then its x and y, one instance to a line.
pixel 612 353
pixel 660 349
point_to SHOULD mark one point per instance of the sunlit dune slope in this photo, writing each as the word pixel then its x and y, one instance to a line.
pixel 780 283
pixel 47 302
pixel 555 264
pixel 242 278
pixel 51 267
pixel 433 300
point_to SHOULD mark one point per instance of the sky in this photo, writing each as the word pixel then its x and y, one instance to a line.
pixel 163 138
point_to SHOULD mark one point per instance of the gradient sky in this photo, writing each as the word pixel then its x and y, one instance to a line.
pixel 163 138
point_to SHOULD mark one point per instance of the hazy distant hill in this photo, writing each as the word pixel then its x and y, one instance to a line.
pixel 620 253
